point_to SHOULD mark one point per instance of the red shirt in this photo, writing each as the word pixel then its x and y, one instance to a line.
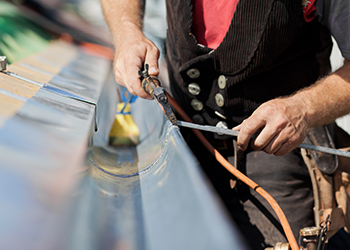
pixel 212 19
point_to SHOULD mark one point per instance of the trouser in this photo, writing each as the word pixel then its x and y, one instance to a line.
pixel 286 178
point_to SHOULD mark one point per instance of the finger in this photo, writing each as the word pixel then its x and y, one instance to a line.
pixel 151 59
pixel 237 128
pixel 289 145
pixel 274 145
pixel 248 128
pixel 118 72
pixel 285 149
pixel 267 134
pixel 132 79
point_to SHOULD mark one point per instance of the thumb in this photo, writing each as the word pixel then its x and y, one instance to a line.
pixel 238 127
pixel 152 60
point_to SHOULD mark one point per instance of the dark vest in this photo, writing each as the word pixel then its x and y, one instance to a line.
pixel 269 51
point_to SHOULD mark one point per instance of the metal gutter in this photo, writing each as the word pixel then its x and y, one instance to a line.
pixel 151 196
pixel 43 147
pixel 63 187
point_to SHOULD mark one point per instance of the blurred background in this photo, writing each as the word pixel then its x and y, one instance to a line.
pixel 26 26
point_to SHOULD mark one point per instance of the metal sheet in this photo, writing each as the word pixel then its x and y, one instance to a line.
pixel 42 149
pixel 84 77
pixel 151 196
pixel 38 169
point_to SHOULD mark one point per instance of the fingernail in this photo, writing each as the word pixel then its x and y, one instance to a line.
pixel 153 70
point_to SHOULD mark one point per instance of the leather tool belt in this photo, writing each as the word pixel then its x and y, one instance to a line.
pixel 330 176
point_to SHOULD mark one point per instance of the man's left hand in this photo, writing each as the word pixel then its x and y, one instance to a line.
pixel 280 125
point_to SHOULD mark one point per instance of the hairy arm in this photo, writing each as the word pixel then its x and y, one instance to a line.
pixel 132 48
pixel 282 123
pixel 330 98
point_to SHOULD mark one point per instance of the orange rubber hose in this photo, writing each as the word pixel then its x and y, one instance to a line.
pixel 281 216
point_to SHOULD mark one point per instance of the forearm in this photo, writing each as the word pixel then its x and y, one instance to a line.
pixel 123 15
pixel 132 48
pixel 328 99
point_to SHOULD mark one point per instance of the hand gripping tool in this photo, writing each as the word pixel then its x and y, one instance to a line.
pixel 152 86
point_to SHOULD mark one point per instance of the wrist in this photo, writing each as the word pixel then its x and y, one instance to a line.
pixel 127 29
pixel 307 107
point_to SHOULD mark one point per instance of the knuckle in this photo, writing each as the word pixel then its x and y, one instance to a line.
pixel 157 52
pixel 241 144
pixel 269 111
pixel 153 50
pixel 281 122
pixel 151 47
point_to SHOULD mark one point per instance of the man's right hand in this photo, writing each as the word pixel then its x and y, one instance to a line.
pixel 133 50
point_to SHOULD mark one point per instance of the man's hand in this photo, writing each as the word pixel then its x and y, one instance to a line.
pixel 280 125
pixel 134 50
